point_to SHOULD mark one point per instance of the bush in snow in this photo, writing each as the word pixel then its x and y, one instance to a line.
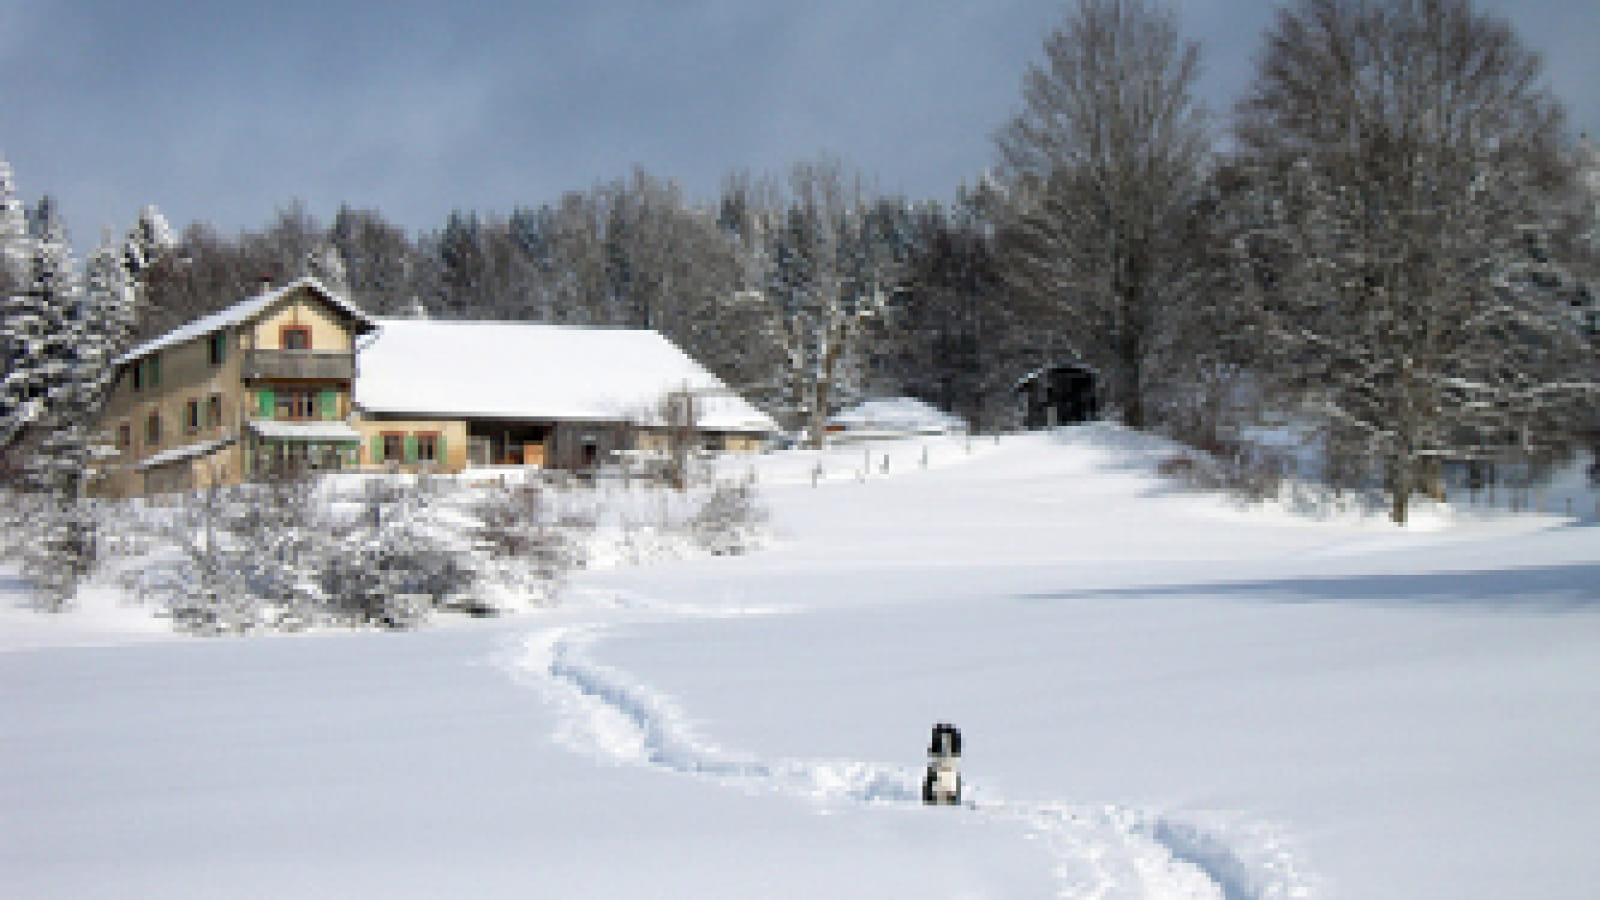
pixel 392 565
pixel 527 546
pixel 213 587
pixel 730 521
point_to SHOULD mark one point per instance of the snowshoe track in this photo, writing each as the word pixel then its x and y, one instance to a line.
pixel 1101 852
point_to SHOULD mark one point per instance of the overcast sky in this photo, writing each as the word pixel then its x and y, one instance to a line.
pixel 227 111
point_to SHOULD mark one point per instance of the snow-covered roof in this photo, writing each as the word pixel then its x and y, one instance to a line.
pixel 304 431
pixel 523 370
pixel 187 451
pixel 242 311
pixel 899 415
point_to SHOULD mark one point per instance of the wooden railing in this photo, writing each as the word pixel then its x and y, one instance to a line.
pixel 312 365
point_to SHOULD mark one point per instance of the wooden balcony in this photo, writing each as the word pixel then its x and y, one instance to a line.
pixel 309 365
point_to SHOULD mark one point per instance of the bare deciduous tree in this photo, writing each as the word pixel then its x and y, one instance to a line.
pixel 1101 166
pixel 1407 170
pixel 824 277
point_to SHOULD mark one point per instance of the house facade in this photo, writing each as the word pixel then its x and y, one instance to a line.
pixel 296 379
pixel 449 395
pixel 262 386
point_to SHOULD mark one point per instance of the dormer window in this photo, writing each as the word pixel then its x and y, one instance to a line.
pixel 147 372
pixel 296 337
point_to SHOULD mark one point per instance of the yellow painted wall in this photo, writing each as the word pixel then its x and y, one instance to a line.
pixel 454 433
pixel 302 309
pixel 186 374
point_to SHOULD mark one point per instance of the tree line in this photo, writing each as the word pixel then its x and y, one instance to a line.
pixel 1389 241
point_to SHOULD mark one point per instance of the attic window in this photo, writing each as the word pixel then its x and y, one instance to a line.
pixel 295 337
pixel 218 348
pixel 147 372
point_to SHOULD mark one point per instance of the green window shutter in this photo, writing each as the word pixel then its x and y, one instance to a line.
pixel 155 369
pixel 329 401
pixel 266 402
pixel 438 444
pixel 411 448
pixel 377 448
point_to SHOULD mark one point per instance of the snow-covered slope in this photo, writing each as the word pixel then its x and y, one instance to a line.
pixel 1162 695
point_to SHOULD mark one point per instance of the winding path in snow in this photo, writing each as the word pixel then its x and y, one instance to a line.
pixel 1100 852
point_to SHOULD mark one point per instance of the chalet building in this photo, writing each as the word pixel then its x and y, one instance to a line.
pixel 450 395
pixel 296 379
pixel 263 385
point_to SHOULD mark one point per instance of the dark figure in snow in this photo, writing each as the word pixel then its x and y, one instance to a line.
pixel 942 786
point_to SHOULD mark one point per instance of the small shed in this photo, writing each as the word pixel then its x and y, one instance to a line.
pixel 1060 394
pixel 893 417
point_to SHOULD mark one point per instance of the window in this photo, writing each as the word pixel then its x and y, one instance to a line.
pixel 218 348
pixel 428 447
pixel 191 416
pixel 147 372
pixel 124 437
pixel 296 337
pixel 393 446
pixel 294 405
pixel 152 430
pixel 214 410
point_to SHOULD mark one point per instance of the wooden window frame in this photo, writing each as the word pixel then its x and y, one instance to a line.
pixel 398 445
pixel 214 411
pixel 427 446
pixel 152 430
pixel 192 421
pixel 124 436
pixel 286 330
pixel 294 405
pixel 217 348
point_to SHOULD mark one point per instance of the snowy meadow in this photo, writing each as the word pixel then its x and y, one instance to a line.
pixel 1163 692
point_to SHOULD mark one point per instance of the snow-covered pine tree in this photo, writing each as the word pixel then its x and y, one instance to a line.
pixel 61 333
pixel 50 394
pixel 148 240
pixel 37 326
pixel 14 240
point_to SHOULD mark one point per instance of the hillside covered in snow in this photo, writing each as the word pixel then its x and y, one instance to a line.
pixel 1163 693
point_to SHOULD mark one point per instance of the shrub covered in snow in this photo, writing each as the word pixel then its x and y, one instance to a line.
pixel 731 521
pixel 388 551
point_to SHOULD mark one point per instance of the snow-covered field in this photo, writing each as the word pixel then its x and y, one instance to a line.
pixel 1161 694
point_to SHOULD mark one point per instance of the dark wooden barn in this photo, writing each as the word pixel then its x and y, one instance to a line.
pixel 1062 394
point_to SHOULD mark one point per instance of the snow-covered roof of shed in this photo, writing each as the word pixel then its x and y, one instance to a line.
pixel 901 415
pixel 523 370
pixel 242 311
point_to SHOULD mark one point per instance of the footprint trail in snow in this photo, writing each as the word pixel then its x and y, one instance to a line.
pixel 1099 851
